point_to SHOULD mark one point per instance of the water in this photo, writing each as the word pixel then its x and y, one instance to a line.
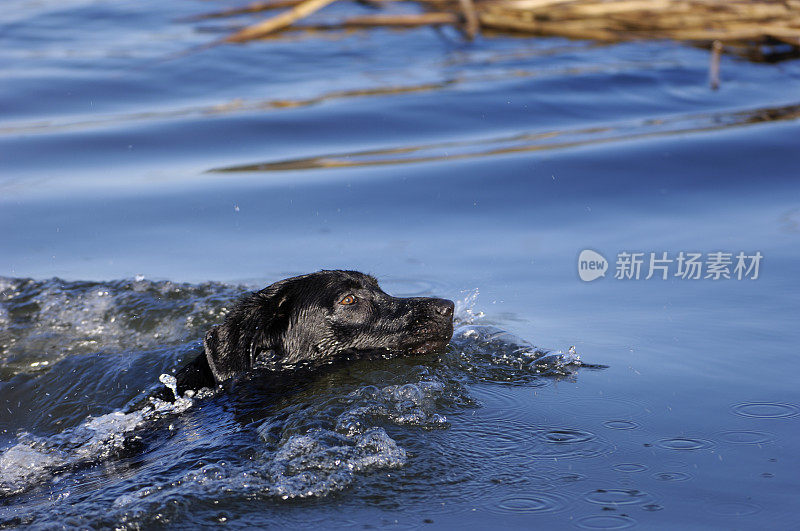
pixel 158 190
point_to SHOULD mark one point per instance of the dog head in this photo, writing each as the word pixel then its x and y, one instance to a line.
pixel 316 317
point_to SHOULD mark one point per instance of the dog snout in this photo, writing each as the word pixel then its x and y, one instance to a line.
pixel 443 307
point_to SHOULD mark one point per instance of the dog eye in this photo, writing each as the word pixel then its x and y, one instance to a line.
pixel 350 299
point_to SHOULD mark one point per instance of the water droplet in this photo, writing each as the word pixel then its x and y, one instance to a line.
pixel 171 382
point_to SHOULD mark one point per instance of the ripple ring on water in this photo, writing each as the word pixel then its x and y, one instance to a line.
pixel 630 467
pixel 766 410
pixel 617 424
pixel 536 502
pixel 615 497
pixel 745 437
pixel 605 521
pixel 685 443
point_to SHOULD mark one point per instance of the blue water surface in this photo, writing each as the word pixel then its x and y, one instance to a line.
pixel 443 167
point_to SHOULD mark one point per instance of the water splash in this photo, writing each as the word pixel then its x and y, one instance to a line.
pixel 44 321
pixel 33 460
pixel 408 405
pixel 322 461
pixel 465 308
pixel 317 443
pixel 490 353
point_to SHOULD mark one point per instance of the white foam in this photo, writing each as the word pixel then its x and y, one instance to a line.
pixel 486 349
pixel 80 317
pixel 307 465
pixel 33 459
pixel 22 466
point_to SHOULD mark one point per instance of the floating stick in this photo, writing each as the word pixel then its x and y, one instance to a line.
pixel 278 22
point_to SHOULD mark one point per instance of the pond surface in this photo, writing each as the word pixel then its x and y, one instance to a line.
pixel 159 185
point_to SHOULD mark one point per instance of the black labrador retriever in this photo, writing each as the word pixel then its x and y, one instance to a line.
pixel 316 319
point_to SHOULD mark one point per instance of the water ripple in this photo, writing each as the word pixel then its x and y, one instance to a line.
pixel 620 425
pixel 49 320
pixel 500 406
pixel 685 443
pixel 745 437
pixel 734 509
pixel 488 443
pixel 528 141
pixel 343 427
pixel 566 442
pixel 530 503
pixel 630 467
pixel 605 521
pixel 766 410
pixel 614 497
pixel 672 476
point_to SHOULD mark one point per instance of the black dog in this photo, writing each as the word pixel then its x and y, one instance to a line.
pixel 315 319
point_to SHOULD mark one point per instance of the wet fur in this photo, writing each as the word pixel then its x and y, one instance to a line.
pixel 301 321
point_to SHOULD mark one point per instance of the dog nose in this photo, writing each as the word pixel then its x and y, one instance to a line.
pixel 443 307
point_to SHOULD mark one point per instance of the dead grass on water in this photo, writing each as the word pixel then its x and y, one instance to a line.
pixel 743 26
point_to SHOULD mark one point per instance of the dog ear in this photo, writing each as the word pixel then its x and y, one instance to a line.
pixel 221 359
pixel 256 324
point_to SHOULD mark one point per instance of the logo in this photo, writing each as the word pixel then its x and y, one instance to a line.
pixel 591 265
pixel 668 265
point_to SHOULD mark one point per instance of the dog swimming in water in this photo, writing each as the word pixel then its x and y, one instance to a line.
pixel 315 319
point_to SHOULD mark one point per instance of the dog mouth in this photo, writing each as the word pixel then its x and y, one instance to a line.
pixel 428 347
pixel 429 341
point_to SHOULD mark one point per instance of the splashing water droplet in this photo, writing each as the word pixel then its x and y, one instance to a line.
pixel 464 312
pixel 171 382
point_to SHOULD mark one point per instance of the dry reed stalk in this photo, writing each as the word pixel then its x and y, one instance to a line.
pixel 713 69
pixel 255 7
pixel 471 21
pixel 606 9
pixel 729 21
pixel 533 4
pixel 400 21
pixel 278 22
pixel 258 7
pixel 510 23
